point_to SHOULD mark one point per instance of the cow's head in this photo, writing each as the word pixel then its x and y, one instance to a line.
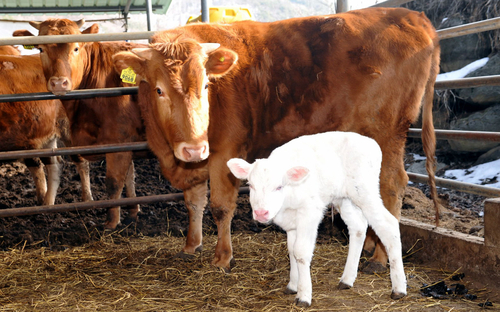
pixel 63 63
pixel 178 75
pixel 270 184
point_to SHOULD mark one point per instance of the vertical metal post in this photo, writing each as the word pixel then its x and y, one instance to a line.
pixel 205 18
pixel 342 6
pixel 149 13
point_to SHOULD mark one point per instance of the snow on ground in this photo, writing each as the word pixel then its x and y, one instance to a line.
pixel 464 71
pixel 488 174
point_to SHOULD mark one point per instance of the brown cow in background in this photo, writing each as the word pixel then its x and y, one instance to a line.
pixel 34 124
pixel 70 66
pixel 365 71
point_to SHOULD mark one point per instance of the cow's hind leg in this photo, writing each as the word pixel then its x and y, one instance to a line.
pixel 133 210
pixel 195 199
pixel 357 224
pixel 117 166
pixel 35 167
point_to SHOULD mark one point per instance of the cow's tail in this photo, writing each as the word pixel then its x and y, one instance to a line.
pixel 428 135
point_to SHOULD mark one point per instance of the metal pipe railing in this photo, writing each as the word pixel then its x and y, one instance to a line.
pixel 25 211
pixel 458 135
pixel 75 94
pixel 472 82
pixel 79 150
pixel 470 28
pixel 480 190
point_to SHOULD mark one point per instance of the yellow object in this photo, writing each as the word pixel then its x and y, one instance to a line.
pixel 224 15
pixel 128 75
pixel 29 47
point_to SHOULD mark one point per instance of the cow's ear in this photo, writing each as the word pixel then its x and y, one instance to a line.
pixel 35 25
pixel 123 60
pixel 296 174
pixel 22 32
pixel 220 62
pixel 239 167
pixel 94 29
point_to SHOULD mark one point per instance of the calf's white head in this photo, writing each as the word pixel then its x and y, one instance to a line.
pixel 270 184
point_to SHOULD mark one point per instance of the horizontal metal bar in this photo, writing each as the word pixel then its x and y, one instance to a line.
pixel 31 40
pixel 15 212
pixel 470 28
pixel 470 188
pixel 493 80
pixel 76 94
pixel 74 9
pixel 79 150
pixel 390 3
pixel 458 135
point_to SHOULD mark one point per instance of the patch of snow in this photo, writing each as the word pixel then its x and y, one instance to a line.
pixel 478 174
pixel 464 71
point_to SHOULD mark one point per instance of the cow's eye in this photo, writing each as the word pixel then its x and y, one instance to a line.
pixel 76 49
pixel 206 86
pixel 159 91
pixel 40 49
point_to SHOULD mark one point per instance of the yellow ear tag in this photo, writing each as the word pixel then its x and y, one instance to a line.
pixel 222 59
pixel 128 75
pixel 29 47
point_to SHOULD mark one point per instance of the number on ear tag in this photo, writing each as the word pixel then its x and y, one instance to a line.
pixel 128 75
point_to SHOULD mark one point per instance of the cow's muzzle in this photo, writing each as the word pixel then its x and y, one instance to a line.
pixel 59 85
pixel 191 152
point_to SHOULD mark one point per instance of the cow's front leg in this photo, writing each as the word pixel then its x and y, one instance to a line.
pixel 195 199
pixel 133 210
pixel 117 166
pixel 224 192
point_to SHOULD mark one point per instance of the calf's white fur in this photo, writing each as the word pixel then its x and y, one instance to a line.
pixel 293 187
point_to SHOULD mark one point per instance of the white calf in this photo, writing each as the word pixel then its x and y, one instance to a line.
pixel 295 184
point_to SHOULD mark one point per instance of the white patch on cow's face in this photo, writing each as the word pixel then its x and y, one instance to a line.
pixel 267 190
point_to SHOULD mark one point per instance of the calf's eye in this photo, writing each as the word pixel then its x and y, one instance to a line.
pixel 159 91
pixel 279 188
pixel 206 86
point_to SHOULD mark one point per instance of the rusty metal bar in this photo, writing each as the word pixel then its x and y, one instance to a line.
pixel 15 212
pixel 493 80
pixel 458 186
pixel 390 3
pixel 80 150
pixel 471 28
pixel 458 134
pixel 76 94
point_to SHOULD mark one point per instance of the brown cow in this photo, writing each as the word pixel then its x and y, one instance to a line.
pixel 365 71
pixel 34 124
pixel 9 50
pixel 78 65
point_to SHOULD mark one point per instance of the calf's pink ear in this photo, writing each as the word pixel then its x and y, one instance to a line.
pixel 297 173
pixel 239 167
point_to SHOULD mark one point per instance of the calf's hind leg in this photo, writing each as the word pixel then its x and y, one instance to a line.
pixel 117 166
pixel 357 224
pixel 133 210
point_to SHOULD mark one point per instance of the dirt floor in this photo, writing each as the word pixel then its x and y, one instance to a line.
pixel 64 259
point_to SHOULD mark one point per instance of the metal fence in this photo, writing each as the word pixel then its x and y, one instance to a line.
pixel 471 28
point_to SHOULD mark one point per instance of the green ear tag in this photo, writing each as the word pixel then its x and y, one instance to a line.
pixel 29 47
pixel 128 75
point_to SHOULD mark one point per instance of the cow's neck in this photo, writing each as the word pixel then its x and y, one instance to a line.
pixel 98 67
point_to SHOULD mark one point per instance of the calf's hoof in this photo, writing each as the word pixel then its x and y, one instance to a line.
pixel 289 291
pixel 396 295
pixel 371 267
pixel 302 304
pixel 343 286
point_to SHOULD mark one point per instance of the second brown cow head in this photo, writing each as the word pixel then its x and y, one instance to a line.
pixel 178 75
pixel 63 64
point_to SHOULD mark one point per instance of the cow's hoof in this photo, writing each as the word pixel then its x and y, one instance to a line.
pixel 302 304
pixel 343 286
pixel 396 295
pixel 372 267
pixel 289 291
pixel 226 269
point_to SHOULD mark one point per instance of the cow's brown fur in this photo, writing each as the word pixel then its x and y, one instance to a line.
pixel 9 50
pixel 364 71
pixel 32 124
pixel 97 120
